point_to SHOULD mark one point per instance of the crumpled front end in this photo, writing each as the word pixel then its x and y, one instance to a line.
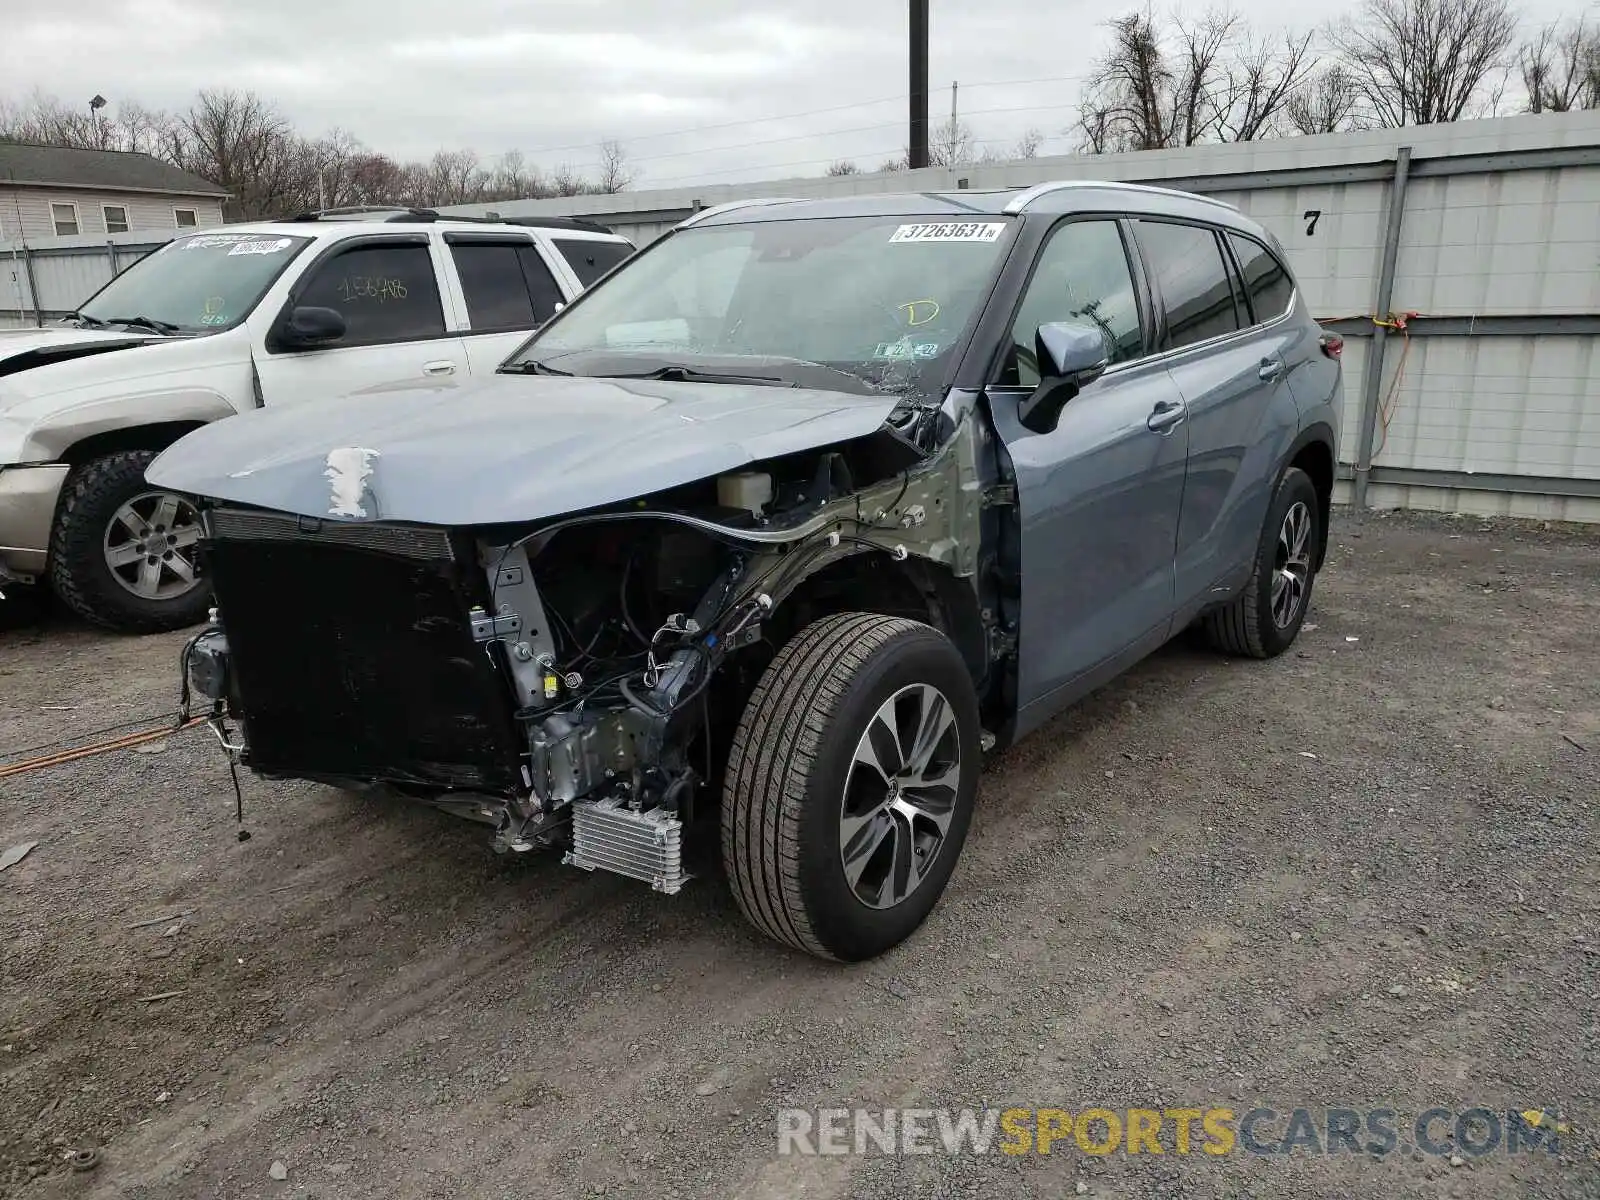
pixel 570 681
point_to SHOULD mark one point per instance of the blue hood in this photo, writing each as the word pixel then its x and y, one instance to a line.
pixel 504 449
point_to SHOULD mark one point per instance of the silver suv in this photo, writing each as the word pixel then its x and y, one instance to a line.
pixel 776 532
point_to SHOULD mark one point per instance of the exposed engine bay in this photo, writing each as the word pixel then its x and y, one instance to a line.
pixel 574 682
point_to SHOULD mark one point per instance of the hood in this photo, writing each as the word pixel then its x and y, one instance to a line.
pixel 25 349
pixel 505 449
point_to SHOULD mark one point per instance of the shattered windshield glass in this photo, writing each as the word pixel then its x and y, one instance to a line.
pixel 885 300
pixel 196 284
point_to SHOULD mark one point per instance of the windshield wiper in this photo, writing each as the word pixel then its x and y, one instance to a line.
pixel 84 320
pixel 150 323
pixel 530 366
pixel 680 374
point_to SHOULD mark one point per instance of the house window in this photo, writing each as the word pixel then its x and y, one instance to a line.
pixel 116 216
pixel 65 219
pixel 187 217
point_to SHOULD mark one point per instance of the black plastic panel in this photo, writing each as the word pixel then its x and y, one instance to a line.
pixel 357 664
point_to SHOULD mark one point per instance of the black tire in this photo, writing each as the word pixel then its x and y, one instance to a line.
pixel 1247 625
pixel 784 796
pixel 79 572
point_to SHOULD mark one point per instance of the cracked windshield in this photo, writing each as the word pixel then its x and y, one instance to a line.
pixel 884 300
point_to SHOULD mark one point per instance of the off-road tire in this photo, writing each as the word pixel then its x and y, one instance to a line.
pixel 78 571
pixel 1244 626
pixel 790 759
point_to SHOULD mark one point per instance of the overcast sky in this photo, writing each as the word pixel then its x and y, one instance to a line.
pixel 553 79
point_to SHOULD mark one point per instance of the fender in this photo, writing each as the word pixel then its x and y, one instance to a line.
pixel 1317 433
pixel 50 439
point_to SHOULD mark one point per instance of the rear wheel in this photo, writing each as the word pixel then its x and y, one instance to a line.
pixel 123 555
pixel 1265 618
pixel 850 785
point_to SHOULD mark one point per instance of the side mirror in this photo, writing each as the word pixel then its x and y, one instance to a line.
pixel 1071 355
pixel 309 327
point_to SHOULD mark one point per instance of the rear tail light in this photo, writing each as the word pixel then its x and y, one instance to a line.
pixel 1332 345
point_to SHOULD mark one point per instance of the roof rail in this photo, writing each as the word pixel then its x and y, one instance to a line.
pixel 401 213
pixel 1019 202
pixel 733 205
pixel 354 210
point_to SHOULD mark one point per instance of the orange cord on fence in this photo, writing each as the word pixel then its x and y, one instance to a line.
pixel 125 742
pixel 1387 409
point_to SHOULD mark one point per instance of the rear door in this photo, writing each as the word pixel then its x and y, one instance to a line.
pixel 1099 495
pixel 507 291
pixel 386 287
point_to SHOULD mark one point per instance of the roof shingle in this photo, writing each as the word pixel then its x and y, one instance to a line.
pixel 24 163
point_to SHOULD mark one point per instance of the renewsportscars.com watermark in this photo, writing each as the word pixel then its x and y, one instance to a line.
pixel 1212 1130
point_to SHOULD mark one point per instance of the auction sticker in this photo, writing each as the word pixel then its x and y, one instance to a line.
pixel 950 231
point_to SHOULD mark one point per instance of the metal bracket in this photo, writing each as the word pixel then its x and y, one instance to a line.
pixel 490 629
pixel 1000 495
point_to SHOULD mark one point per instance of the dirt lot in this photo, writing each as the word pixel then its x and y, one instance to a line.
pixel 1361 875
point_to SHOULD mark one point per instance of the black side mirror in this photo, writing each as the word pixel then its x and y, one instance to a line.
pixel 1071 356
pixel 309 327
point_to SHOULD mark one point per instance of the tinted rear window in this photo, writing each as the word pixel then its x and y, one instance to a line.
pixel 590 259
pixel 1193 278
pixel 1265 278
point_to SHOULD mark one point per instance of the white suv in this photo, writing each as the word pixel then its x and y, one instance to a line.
pixel 213 324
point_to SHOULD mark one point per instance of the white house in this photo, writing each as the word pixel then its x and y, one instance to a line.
pixel 56 191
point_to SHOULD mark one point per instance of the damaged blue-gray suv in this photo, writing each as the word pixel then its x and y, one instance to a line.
pixel 770 537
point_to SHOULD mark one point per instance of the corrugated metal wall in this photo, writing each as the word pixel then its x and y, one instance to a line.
pixel 47 279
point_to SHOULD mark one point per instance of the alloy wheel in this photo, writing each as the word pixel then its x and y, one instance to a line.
pixel 1291 571
pixel 900 795
pixel 151 544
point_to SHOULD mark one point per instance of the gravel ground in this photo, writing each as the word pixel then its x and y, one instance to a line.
pixel 1360 875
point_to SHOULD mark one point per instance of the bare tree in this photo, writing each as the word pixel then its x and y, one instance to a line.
pixel 843 166
pixel 1560 67
pixel 241 142
pixel 1327 102
pixel 1253 90
pixel 245 146
pixel 1416 62
pixel 950 144
pixel 615 173
pixel 1027 146
pixel 1192 81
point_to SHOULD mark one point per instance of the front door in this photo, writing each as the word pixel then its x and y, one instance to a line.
pixel 1100 494
pixel 396 332
pixel 1233 379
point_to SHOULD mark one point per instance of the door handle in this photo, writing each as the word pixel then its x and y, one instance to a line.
pixel 1166 416
pixel 442 367
pixel 1271 368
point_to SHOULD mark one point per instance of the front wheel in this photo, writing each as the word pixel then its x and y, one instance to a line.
pixel 1264 619
pixel 850 785
pixel 123 554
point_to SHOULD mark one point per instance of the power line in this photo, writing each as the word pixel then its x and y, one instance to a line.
pixel 899 98
pixel 827 158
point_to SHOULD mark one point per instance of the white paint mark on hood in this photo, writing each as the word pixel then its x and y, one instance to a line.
pixel 349 468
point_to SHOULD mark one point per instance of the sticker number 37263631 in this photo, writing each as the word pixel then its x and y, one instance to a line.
pixel 950 231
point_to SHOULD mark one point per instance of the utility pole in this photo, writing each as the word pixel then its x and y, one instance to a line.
pixel 954 88
pixel 917 151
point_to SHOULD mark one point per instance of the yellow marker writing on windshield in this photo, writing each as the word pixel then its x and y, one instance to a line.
pixel 915 307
